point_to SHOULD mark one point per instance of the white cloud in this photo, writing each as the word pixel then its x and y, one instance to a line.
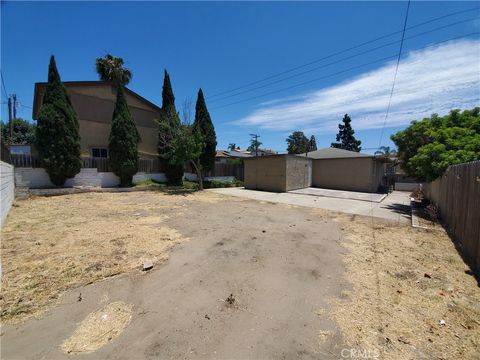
pixel 433 80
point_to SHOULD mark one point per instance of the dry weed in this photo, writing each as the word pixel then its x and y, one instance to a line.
pixel 99 328
pixel 405 281
pixel 50 244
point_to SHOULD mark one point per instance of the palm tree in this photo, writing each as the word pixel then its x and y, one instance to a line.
pixel 391 155
pixel 233 146
pixel 110 68
pixel 386 151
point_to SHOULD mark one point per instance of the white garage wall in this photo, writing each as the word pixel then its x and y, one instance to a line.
pixel 7 189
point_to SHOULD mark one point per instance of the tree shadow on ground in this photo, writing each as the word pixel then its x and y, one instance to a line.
pixel 401 209
pixel 178 191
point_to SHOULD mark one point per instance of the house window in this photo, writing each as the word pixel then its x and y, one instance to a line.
pixel 99 152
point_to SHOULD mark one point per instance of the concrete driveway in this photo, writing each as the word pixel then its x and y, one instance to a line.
pixel 394 207
pixel 341 194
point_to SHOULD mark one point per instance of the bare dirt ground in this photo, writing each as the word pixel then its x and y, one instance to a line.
pixel 412 296
pixel 53 243
pixel 251 280
pixel 305 283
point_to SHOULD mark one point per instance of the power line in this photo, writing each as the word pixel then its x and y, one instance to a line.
pixel 308 81
pixel 3 85
pixel 342 59
pixel 374 242
pixel 343 51
pixel 395 76
pixel 337 73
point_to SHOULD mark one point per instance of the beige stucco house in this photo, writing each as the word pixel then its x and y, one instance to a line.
pixel 94 102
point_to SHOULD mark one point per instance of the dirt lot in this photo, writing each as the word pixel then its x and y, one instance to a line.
pixel 304 283
pixel 412 296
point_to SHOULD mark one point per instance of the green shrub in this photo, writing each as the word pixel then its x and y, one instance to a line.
pixel 212 184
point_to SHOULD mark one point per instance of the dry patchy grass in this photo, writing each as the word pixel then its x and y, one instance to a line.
pixel 50 244
pixel 98 328
pixel 404 282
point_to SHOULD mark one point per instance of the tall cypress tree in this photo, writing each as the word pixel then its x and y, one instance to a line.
pixel 57 136
pixel 123 141
pixel 169 123
pixel 345 137
pixel 203 124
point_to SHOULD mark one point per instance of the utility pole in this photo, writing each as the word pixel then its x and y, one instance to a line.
pixel 10 126
pixel 255 136
pixel 14 106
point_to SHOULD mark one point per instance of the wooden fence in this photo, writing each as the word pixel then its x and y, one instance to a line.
pixel 457 195
pixel 235 170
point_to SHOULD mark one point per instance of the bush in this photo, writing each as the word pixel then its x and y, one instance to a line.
pixel 212 184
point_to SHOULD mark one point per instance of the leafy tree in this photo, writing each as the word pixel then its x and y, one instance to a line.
pixel 297 143
pixel 203 124
pixel 110 68
pixel 181 145
pixel 23 132
pixel 123 141
pixel 168 123
pixel 233 146
pixel 57 136
pixel 254 145
pixel 426 148
pixel 313 144
pixel 345 137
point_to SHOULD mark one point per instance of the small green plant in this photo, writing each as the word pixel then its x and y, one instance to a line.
pixel 151 182
pixel 212 184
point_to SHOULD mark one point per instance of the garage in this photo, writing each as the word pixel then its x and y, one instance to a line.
pixel 278 173
pixel 346 170
pixel 328 168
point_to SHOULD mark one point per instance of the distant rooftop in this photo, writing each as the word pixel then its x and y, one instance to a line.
pixel 233 153
pixel 334 153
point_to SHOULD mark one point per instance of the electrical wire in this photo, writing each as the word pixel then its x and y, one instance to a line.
pixel 395 76
pixel 343 51
pixel 342 59
pixel 3 85
pixel 338 72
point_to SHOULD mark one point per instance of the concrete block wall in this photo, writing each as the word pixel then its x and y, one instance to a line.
pixel 298 172
pixel 37 178
pixel 7 189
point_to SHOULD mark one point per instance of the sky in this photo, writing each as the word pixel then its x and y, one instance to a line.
pixel 235 52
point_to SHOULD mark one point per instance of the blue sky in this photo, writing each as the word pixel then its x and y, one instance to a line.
pixel 223 45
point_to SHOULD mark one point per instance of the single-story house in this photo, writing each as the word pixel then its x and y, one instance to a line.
pixel 94 102
pixel 222 156
pixel 263 152
pixel 329 168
